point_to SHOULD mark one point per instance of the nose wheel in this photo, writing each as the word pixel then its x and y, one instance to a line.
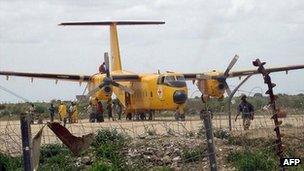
pixel 179 114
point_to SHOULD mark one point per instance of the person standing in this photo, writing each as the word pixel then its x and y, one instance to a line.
pixel 99 112
pixel 70 112
pixel 52 112
pixel 90 112
pixel 247 111
pixel 109 108
pixel 74 116
pixel 102 68
pixel 62 111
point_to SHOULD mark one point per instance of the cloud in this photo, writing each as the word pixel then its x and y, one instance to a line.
pixel 198 36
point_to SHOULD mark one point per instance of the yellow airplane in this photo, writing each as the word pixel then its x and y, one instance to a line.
pixel 146 93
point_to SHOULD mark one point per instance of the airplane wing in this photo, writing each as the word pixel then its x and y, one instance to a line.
pixel 194 76
pixel 67 77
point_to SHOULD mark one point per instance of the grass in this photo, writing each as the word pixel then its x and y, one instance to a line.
pixel 193 154
pixel 253 160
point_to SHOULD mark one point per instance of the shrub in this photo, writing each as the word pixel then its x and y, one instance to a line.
pixel 10 163
pixel 108 146
pixel 103 166
pixel 106 136
pixel 222 134
pixel 56 157
pixel 40 109
pixel 194 154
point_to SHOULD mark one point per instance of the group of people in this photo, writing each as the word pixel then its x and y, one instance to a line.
pixel 95 110
pixel 69 114
pixel 66 113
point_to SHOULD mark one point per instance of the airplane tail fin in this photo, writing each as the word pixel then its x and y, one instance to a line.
pixel 115 52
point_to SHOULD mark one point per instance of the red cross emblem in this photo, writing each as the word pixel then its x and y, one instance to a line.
pixel 159 92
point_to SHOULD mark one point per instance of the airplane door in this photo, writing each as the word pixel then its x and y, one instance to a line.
pixel 128 99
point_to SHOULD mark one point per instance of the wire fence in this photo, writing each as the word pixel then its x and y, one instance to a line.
pixel 176 144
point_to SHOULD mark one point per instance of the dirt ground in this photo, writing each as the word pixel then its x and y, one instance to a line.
pixel 10 135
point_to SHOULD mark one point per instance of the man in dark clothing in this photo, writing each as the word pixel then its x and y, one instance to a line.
pixel 247 111
pixel 102 68
pixel 99 114
pixel 52 112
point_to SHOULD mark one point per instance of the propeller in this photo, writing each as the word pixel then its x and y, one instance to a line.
pixel 106 85
pixel 107 81
pixel 223 78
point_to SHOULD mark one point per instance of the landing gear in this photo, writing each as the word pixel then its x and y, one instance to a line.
pixel 150 115
pixel 142 116
pixel 129 116
pixel 183 117
pixel 179 114
pixel 179 117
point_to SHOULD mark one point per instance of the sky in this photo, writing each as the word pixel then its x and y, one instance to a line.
pixel 199 36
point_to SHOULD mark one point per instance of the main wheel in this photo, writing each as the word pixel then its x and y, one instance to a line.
pixel 182 117
pixel 129 116
pixel 150 115
pixel 142 116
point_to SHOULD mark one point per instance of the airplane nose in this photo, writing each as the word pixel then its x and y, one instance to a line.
pixel 179 97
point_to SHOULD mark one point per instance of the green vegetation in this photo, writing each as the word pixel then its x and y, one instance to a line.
pixel 294 103
pixel 56 157
pixel 162 168
pixel 105 153
pixel 194 154
pixel 253 160
pixel 260 153
pixel 222 134
pixel 255 154
pixel 108 150
pixel 10 163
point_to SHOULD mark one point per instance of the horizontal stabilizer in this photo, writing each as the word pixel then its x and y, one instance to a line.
pixel 110 23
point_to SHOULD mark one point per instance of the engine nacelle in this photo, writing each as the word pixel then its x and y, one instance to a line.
pixel 211 87
pixel 105 93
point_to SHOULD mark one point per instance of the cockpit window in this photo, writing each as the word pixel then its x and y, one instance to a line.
pixel 180 78
pixel 172 80
pixel 169 79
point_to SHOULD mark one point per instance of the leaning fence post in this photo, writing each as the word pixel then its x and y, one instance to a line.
pixel 210 140
pixel 26 138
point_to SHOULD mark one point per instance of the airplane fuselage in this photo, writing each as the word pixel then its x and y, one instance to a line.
pixel 166 91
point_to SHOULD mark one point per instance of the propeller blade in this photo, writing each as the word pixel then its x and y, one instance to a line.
pixel 124 88
pixel 232 63
pixel 227 88
pixel 107 64
pixel 95 89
